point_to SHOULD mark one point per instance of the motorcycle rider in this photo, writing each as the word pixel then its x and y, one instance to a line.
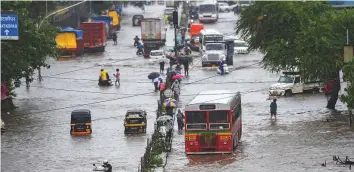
pixel 221 67
pixel 107 165
pixel 104 77
pixel 140 48
pixel 136 40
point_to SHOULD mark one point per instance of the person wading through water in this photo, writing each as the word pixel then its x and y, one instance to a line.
pixel 186 67
pixel 115 38
pixel 162 66
pixel 180 119
pixel 273 109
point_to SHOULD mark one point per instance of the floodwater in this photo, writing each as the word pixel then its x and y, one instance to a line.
pixel 300 140
pixel 38 136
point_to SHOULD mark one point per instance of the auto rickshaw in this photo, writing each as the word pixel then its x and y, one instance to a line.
pixel 135 121
pixel 137 20
pixel 81 122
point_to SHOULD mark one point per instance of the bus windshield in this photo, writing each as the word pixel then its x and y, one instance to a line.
pixel 196 117
pixel 210 8
pixel 213 38
pixel 218 117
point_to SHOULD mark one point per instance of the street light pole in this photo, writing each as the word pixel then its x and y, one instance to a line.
pixel 51 14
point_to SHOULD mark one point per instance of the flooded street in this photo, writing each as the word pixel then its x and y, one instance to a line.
pixel 300 140
pixel 38 138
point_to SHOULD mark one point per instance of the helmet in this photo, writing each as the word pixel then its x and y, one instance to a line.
pixel 105 161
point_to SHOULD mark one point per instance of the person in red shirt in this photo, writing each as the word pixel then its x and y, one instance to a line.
pixel 117 75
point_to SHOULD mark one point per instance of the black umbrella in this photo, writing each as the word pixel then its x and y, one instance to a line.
pixel 153 75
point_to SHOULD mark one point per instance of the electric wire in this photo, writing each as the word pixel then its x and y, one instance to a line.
pixel 154 111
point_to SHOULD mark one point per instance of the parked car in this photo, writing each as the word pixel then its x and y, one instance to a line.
pixel 224 7
pixel 157 55
pixel 241 47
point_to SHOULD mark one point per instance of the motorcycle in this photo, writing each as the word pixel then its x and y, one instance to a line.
pixel 226 70
pixel 139 53
pixel 105 83
pixel 136 44
pixel 99 168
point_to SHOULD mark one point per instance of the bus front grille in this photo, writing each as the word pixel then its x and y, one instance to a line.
pixel 208 140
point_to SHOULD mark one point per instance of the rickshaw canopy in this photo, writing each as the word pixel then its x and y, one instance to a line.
pixel 115 17
pixel 81 116
pixel 79 33
pixel 135 114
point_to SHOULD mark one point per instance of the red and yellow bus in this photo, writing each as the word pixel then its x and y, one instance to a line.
pixel 213 122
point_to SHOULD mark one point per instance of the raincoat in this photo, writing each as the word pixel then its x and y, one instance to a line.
pixel 221 67
pixel 104 74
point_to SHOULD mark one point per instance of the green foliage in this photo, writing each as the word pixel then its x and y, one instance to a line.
pixel 98 6
pixel 307 36
pixel 20 58
pixel 348 72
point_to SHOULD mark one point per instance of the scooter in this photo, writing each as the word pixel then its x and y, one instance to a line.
pixel 99 168
pixel 226 70
pixel 108 83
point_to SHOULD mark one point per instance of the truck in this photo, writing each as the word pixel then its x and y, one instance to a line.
pixel 291 83
pixel 94 36
pixel 108 22
pixel 153 34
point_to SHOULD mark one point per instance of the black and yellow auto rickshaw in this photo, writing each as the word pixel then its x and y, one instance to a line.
pixel 81 122
pixel 135 121
pixel 137 20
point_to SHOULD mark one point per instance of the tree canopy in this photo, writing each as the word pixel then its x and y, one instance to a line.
pixel 20 58
pixel 304 36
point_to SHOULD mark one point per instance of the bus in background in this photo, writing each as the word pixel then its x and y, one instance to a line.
pixel 209 35
pixel 208 12
pixel 213 122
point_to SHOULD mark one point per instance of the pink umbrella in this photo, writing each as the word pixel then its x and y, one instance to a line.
pixel 177 76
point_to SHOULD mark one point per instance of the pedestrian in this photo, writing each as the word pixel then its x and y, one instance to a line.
pixel 162 66
pixel 114 38
pixel 273 109
pixel 186 67
pixel 117 75
pixel 180 118
pixel 183 34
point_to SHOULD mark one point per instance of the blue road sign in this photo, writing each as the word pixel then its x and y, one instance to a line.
pixel 9 27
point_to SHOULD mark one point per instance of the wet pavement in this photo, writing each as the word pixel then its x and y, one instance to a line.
pixel 38 136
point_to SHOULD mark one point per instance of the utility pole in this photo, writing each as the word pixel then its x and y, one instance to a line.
pixel 175 23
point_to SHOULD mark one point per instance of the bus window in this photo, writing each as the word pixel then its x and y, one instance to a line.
pixel 236 113
pixel 218 117
pixel 195 117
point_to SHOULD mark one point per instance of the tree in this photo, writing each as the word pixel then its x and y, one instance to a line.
pixel 98 6
pixel 348 72
pixel 20 58
pixel 303 36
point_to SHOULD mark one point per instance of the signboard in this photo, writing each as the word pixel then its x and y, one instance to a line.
pixel 9 26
